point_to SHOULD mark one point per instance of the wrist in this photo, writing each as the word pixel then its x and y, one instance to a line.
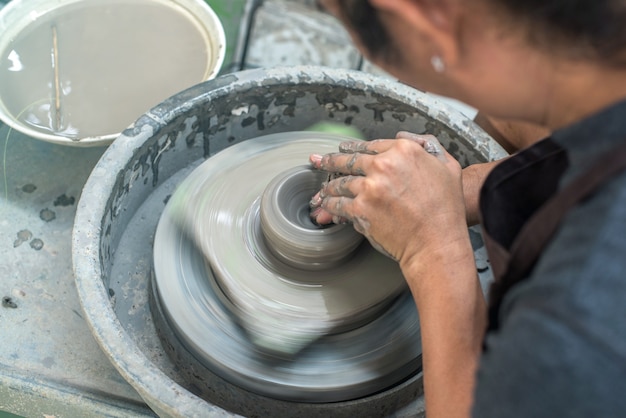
pixel 442 261
pixel 473 177
pixel 471 191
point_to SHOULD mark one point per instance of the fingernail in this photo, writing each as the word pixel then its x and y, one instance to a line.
pixel 315 200
pixel 315 159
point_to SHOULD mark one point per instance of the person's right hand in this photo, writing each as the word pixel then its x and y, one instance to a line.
pixel 322 217
pixel 403 195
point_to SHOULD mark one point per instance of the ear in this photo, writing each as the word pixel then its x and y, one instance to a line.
pixel 437 21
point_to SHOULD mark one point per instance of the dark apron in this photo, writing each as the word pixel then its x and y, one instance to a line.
pixel 518 223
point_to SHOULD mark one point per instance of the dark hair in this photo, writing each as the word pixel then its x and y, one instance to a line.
pixel 579 28
pixel 366 23
pixel 584 29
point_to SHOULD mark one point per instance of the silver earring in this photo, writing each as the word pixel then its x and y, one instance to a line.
pixel 438 64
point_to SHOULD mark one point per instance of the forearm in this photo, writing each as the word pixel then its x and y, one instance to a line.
pixel 452 320
pixel 473 178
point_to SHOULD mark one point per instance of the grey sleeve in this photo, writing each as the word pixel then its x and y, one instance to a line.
pixel 541 365
pixel 561 349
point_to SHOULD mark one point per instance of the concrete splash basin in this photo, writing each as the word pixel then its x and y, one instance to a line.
pixel 127 191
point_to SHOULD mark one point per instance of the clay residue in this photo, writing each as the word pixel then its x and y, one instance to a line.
pixel 7 302
pixel 36 244
pixel 29 188
pixel 47 215
pixel 64 200
pixel 22 236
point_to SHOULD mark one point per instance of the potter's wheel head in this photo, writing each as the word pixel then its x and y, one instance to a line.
pixel 246 280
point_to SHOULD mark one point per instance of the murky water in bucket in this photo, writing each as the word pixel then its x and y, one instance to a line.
pixel 90 68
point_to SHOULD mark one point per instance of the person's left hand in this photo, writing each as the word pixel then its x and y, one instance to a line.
pixel 402 198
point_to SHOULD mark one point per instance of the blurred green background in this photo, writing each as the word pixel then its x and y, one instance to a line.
pixel 230 13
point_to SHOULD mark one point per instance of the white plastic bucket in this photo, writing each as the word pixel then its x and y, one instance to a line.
pixel 78 72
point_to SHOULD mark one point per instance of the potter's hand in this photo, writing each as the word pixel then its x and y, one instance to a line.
pixel 322 217
pixel 394 192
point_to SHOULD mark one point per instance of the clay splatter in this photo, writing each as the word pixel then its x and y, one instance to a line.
pixel 481 268
pixel 29 188
pixel 7 302
pixel 36 244
pixel 22 236
pixel 47 215
pixel 48 362
pixel 64 200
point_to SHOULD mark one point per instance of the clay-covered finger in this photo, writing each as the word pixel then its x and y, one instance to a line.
pixel 430 143
pixel 349 164
pixel 339 207
pixel 420 138
pixel 364 147
pixel 339 220
pixel 341 186
pixel 316 201
pixel 434 147
pixel 320 216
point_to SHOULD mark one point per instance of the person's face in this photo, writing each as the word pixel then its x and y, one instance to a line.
pixel 331 6
pixel 404 36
